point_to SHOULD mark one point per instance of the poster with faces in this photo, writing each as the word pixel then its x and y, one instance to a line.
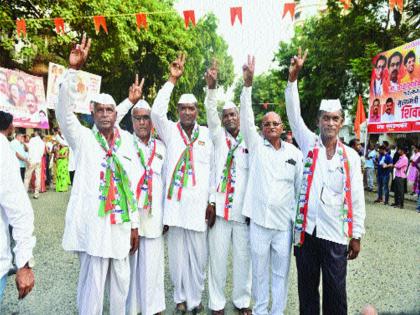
pixel 23 96
pixel 83 88
pixel 395 90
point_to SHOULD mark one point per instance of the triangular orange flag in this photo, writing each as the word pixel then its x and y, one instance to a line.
pixel 21 27
pixel 346 4
pixel 141 20
pixel 99 21
pixel 289 7
pixel 399 3
pixel 59 25
pixel 235 12
pixel 189 16
pixel 265 105
pixel 360 117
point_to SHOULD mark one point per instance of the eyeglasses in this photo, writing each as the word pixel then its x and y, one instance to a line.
pixel 268 124
pixel 142 117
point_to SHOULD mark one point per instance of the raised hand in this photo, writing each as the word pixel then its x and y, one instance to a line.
pixel 176 69
pixel 211 75
pixel 248 71
pixel 296 64
pixel 136 90
pixel 79 54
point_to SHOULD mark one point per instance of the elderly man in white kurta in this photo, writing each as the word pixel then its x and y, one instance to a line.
pixel 331 210
pixel 15 210
pixel 36 149
pixel 101 220
pixel 230 227
pixel 188 189
pixel 275 168
pixel 147 290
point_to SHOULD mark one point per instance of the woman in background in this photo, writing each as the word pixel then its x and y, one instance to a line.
pixel 62 181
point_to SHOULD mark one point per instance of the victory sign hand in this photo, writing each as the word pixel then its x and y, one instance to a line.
pixel 176 69
pixel 211 75
pixel 248 71
pixel 79 53
pixel 136 90
pixel 296 64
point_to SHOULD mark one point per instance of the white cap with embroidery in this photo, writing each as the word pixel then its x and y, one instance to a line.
pixel 330 105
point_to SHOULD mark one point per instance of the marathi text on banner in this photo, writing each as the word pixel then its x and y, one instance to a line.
pixel 395 90
pixel 87 85
pixel 23 96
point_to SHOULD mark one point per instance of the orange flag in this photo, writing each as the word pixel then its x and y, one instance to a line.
pixel 265 105
pixel 59 25
pixel 21 27
pixel 289 7
pixel 360 117
pixel 399 3
pixel 346 4
pixel 235 12
pixel 99 21
pixel 141 20
pixel 189 16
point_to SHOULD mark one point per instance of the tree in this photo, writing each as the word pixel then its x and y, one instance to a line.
pixel 124 51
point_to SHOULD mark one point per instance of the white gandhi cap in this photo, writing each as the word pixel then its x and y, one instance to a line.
pixel 229 105
pixel 330 105
pixel 103 98
pixel 187 99
pixel 142 104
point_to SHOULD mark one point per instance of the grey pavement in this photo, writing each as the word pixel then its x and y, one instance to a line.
pixel 386 273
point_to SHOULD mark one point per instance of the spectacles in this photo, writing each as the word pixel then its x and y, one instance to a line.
pixel 271 123
pixel 142 117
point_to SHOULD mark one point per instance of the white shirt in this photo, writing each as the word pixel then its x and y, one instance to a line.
pixel 274 175
pixel 189 212
pixel 221 149
pixel 387 117
pixel 84 230
pixel 327 192
pixel 15 210
pixel 19 148
pixel 36 149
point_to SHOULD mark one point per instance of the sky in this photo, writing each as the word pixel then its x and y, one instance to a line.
pixel 261 31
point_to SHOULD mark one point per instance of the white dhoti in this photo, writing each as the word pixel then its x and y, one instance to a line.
pixel 187 252
pixel 221 235
pixel 147 290
pixel 96 273
pixel 269 244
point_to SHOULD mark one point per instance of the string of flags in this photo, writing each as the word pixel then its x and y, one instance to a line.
pixel 99 21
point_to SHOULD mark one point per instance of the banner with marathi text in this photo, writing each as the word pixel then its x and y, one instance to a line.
pixel 23 96
pixel 87 85
pixel 395 90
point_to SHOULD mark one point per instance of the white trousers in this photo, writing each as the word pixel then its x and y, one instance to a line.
pixel 35 167
pixel 147 290
pixel 221 235
pixel 267 246
pixel 187 252
pixel 96 273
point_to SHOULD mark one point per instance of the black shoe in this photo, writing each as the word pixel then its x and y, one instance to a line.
pixel 378 201
pixel 198 310
pixel 394 205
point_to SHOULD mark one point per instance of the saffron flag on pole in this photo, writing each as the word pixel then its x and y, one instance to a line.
pixel 189 16
pixel 141 20
pixel 346 4
pixel 399 3
pixel 235 12
pixel 59 25
pixel 360 117
pixel 99 21
pixel 21 27
pixel 289 7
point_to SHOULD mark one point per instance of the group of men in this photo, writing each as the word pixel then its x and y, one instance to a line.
pixel 208 189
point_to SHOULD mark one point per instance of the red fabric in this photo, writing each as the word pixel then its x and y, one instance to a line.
pixel 59 25
pixel 21 27
pixel 360 117
pixel 141 20
pixel 235 12
pixel 189 16
pixel 289 7
pixel 99 22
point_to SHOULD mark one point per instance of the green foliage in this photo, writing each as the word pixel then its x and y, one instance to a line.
pixel 124 51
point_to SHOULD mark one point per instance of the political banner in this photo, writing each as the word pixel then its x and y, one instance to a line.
pixel 87 84
pixel 23 96
pixel 395 90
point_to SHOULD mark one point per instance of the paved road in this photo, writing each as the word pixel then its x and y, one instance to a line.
pixel 386 274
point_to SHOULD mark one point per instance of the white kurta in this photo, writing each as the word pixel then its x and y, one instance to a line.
pixel 84 230
pixel 15 210
pixel 234 230
pixel 327 192
pixel 189 212
pixel 269 202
